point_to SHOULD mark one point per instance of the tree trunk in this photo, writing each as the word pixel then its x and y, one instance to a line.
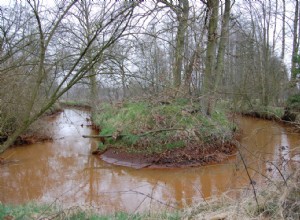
pixel 223 42
pixel 182 16
pixel 275 27
pixel 283 32
pixel 295 45
pixel 213 11
pixel 85 8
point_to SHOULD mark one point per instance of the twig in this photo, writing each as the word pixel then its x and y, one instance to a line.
pixel 248 174
pixel 281 174
pixel 163 203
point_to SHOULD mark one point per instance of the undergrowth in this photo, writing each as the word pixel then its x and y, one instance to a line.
pixel 154 126
pixel 293 102
pixel 259 111
pixel 277 200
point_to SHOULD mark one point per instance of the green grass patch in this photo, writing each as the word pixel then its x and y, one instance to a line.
pixel 27 211
pixel 153 127
pixel 35 211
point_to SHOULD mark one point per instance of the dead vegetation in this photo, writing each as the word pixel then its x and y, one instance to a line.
pixel 275 201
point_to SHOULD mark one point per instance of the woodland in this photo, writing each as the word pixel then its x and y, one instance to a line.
pixel 240 55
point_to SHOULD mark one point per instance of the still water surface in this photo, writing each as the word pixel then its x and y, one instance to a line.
pixel 65 173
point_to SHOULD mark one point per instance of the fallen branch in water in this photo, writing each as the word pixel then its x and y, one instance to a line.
pixel 123 135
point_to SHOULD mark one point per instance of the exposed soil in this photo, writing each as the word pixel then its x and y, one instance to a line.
pixel 27 139
pixel 2 160
pixel 76 106
pixel 34 137
pixel 189 156
pixel 293 126
pixel 256 114
pixel 31 139
pixel 53 113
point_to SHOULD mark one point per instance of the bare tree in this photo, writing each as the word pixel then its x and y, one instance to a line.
pixel 181 11
pixel 62 71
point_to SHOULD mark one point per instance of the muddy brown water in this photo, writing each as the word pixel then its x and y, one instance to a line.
pixel 64 172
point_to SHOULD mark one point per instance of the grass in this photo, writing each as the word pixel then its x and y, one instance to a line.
pixel 35 211
pixel 27 211
pixel 266 112
pixel 170 125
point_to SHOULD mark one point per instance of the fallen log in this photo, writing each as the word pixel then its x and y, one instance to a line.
pixel 117 136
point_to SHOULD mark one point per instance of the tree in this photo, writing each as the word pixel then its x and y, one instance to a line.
pixel 215 60
pixel 213 15
pixel 181 11
pixel 223 42
pixel 54 71
pixel 85 9
pixel 283 32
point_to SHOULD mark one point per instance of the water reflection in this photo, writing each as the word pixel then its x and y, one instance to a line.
pixel 267 145
pixel 66 173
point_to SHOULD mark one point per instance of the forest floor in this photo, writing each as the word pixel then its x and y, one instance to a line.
pixel 164 133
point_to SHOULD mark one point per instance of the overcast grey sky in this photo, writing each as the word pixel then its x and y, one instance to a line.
pixel 238 7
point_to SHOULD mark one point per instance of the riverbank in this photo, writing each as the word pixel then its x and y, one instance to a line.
pixel 163 133
pixel 38 211
pixel 286 115
pixel 75 104
pixel 278 199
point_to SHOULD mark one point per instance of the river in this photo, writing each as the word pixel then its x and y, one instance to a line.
pixel 64 172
